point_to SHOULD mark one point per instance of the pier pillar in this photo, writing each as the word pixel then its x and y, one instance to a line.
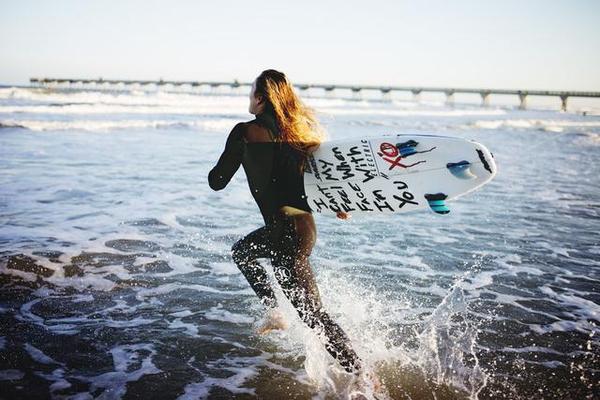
pixel 356 93
pixel 235 87
pixel 386 94
pixel 329 91
pixel 239 90
pixel 450 98
pixel 199 88
pixel 522 101
pixel 563 102
pixel 485 99
pixel 416 95
pixel 304 89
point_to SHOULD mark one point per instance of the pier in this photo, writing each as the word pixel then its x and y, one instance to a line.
pixel 328 89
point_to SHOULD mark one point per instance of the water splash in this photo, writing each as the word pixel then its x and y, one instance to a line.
pixel 436 353
pixel 447 345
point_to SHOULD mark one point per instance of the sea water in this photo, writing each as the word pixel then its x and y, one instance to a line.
pixel 117 280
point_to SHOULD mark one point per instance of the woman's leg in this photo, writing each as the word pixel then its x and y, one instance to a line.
pixel 245 253
pixel 296 278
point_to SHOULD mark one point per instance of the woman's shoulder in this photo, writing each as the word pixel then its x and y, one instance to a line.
pixel 252 131
pixel 240 130
pixel 240 127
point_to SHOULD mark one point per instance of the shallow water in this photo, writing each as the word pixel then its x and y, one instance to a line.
pixel 117 281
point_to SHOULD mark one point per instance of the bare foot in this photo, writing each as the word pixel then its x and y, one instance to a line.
pixel 373 380
pixel 357 395
pixel 367 386
pixel 274 320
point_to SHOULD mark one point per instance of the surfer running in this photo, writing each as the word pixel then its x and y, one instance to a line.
pixel 272 148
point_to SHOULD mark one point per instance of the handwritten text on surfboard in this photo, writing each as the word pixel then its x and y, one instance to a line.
pixel 353 167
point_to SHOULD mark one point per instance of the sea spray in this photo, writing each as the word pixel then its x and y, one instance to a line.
pixel 447 345
pixel 134 248
pixel 441 348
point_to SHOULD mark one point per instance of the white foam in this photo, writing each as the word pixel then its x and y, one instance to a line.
pixel 80 298
pixel 188 328
pixel 224 268
pixel 57 378
pixel 87 281
pixel 538 124
pixel 391 112
pixel 114 383
pixel 182 313
pixel 219 314
pixel 477 280
pixel 114 109
pixel 138 321
pixel 170 287
pixel 139 98
pixel 38 355
pixel 219 125
pixel 25 312
pixel 530 349
pixel 26 276
pixel 11 375
pixel 584 311
pixel 242 368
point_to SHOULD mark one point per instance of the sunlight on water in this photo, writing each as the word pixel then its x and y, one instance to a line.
pixel 117 279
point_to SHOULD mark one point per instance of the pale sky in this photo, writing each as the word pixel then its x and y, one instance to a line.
pixel 550 44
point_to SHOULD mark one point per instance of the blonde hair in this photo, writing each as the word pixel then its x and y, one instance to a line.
pixel 297 123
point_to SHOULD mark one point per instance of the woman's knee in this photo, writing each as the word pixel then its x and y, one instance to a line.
pixel 309 317
pixel 309 310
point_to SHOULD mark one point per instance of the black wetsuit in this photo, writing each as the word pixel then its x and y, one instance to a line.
pixel 273 170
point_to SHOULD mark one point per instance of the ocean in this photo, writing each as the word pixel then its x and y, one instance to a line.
pixel 117 280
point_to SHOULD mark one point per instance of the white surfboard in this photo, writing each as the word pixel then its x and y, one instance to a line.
pixel 395 173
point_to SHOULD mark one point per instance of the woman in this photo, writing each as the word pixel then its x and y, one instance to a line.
pixel 272 149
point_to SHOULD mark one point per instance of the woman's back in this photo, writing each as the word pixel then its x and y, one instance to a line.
pixel 273 169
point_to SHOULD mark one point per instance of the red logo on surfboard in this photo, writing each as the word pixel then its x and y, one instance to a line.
pixel 394 153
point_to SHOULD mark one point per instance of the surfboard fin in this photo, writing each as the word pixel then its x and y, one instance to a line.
pixel 461 169
pixel 437 202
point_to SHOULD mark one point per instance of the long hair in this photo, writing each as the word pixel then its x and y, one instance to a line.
pixel 296 122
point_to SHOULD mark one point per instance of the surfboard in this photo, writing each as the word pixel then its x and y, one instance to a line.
pixel 398 173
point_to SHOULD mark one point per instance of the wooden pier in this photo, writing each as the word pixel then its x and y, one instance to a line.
pixel 111 84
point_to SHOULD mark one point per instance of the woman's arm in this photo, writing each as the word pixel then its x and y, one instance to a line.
pixel 230 160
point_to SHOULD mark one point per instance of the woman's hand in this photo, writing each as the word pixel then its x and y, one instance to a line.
pixel 343 215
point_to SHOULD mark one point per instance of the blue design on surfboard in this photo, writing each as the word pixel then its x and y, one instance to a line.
pixel 407 148
pixel 461 169
pixel 437 202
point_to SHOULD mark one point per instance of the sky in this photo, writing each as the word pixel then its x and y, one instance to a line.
pixel 523 44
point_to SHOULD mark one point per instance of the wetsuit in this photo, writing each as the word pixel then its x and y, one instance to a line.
pixel 273 170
